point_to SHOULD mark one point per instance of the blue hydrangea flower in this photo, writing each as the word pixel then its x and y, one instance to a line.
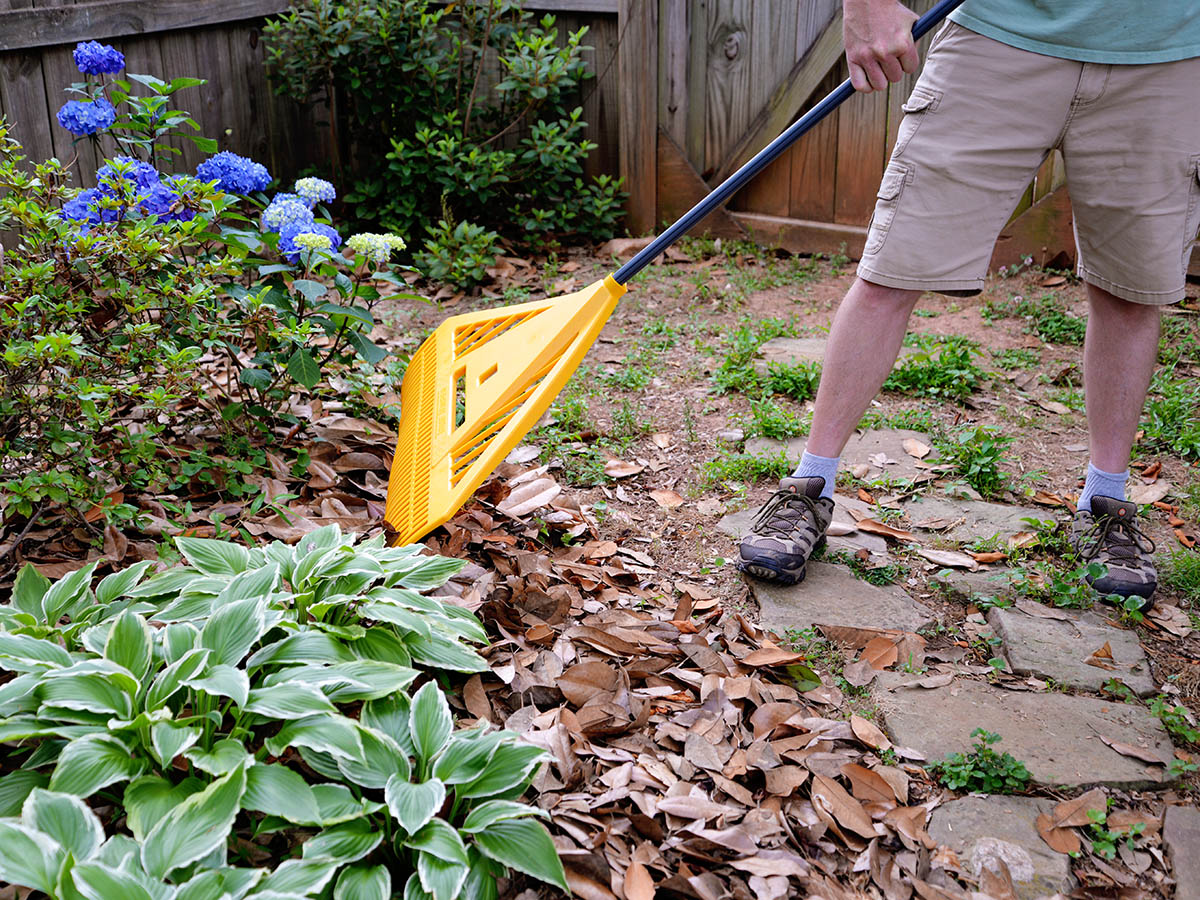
pixel 86 116
pixel 315 190
pixel 126 168
pixel 287 239
pixel 94 58
pixel 234 174
pixel 285 210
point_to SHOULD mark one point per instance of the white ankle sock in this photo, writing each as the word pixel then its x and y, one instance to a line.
pixel 825 466
pixel 1102 484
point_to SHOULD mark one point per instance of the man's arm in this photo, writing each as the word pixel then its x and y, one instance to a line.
pixel 879 43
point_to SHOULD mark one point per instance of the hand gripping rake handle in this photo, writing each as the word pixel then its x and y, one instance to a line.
pixel 764 157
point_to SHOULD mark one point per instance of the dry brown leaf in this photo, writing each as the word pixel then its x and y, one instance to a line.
pixel 528 497
pixel 1101 658
pixel 638 883
pixel 667 498
pixel 662 440
pixel 619 468
pixel 692 807
pixel 1121 820
pixel 881 653
pixel 1047 499
pixel 581 683
pixel 952 558
pixel 1186 539
pixel 771 655
pixel 913 447
pixel 869 733
pixel 873 526
pixel 353 462
pixel 1058 839
pixel 1142 494
pixel 989 556
pixel 847 811
pixel 1171 618
pixel 321 475
pixel 867 786
pixel 1145 754
pixel 1022 539
pixel 859 673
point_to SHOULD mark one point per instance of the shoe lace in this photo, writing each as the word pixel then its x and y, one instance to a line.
pixel 1122 538
pixel 784 512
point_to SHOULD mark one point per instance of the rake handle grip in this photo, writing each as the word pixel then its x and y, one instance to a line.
pixel 764 157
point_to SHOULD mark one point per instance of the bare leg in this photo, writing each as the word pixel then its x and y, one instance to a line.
pixel 1119 355
pixel 864 341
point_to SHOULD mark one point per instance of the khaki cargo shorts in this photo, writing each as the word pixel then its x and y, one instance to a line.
pixel 981 119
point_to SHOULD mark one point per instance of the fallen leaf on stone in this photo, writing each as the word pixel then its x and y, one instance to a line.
pixel 933 681
pixel 873 526
pixel 710 506
pixel 840 529
pixel 940 523
pixel 862 470
pixel 661 440
pixel 989 556
pixel 952 558
pixel 869 733
pixel 523 454
pixel 1145 754
pixel 1058 839
pixel 1122 820
pixel 1102 658
pixel 1074 812
pixel 619 468
pixel 771 655
pixel 530 496
pixel 913 447
pixel 859 673
pixel 881 653
pixel 1022 539
pixel 1141 494
pixel 1047 499
pixel 1054 406
pixel 666 498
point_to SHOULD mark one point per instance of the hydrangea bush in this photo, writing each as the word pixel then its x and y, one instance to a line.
pixel 162 303
pixel 433 141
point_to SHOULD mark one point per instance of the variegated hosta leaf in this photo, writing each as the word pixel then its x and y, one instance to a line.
pixel 195 827
pixel 413 805
pixel 430 721
pixel 29 858
pixel 363 883
pixel 276 790
pixel 151 797
pixel 92 762
pixel 215 557
pixel 524 845
pixel 345 843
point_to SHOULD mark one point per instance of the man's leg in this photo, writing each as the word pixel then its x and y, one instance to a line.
pixel 1118 360
pixel 863 344
pixel 1119 354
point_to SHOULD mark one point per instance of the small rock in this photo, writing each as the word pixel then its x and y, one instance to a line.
pixel 983 829
pixel 970 586
pixel 1181 835
pixel 733 435
pixel 1057 736
pixel 831 595
pixel 1059 649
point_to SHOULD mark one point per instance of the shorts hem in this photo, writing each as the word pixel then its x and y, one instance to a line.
pixel 1146 298
pixel 866 273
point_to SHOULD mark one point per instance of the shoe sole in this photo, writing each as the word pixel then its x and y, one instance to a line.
pixel 764 571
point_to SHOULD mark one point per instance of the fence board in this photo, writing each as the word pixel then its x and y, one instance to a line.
pixel 814 163
pixel 862 133
pixel 638 63
pixel 673 52
pixel 726 111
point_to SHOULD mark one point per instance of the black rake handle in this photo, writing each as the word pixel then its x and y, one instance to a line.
pixel 764 157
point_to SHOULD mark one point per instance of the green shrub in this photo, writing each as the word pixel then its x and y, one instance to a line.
pixel 137 317
pixel 1169 420
pixel 429 131
pixel 798 380
pixel 272 695
pixel 458 254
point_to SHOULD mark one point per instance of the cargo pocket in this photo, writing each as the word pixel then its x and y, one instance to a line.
pixel 1191 224
pixel 897 175
pixel 919 105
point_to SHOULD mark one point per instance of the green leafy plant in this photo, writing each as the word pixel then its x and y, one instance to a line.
pixel 1169 420
pixel 975 452
pixel 736 371
pixel 1104 842
pixel 427 130
pixel 745 467
pixel 459 254
pixel 1176 719
pixel 944 368
pixel 769 419
pixel 271 696
pixel 1182 575
pixel 983 769
pixel 798 380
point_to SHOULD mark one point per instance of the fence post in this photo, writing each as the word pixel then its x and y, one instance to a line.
pixel 637 67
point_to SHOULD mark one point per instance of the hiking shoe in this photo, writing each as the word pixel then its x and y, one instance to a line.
pixel 789 527
pixel 1109 535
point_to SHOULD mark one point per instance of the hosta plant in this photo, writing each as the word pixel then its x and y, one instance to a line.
pixel 254 701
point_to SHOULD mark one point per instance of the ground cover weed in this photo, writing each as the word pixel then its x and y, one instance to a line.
pixel 796 380
pixel 878 575
pixel 1104 842
pixel 190 735
pixel 1169 420
pixel 944 368
pixel 771 420
pixel 744 467
pixel 1017 358
pixel 1182 575
pixel 982 769
pixel 1176 720
pixel 975 453
pixel 736 371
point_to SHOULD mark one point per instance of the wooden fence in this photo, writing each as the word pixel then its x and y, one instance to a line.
pixel 685 91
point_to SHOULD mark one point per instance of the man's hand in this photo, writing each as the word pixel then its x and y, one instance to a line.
pixel 879 43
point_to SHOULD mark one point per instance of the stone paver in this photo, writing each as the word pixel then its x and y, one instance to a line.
pixel 831 595
pixel 1181 835
pixel 982 830
pixel 862 449
pixel 966 520
pixel 791 351
pixel 966 586
pixel 1059 649
pixel 1057 736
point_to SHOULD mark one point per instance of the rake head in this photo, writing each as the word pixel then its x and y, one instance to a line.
pixel 472 391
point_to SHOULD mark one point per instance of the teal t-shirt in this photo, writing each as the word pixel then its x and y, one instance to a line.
pixel 1100 31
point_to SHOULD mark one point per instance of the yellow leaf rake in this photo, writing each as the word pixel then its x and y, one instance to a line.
pixel 481 380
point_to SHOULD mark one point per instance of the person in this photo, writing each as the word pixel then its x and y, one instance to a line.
pixel 1113 84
